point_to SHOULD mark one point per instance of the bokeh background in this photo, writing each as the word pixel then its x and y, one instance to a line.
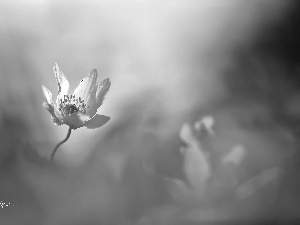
pixel 170 63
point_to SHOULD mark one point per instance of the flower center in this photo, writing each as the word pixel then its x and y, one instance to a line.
pixel 70 104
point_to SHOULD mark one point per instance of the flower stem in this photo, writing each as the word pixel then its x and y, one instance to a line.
pixel 60 143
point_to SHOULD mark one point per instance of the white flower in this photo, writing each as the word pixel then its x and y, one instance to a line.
pixel 197 166
pixel 78 109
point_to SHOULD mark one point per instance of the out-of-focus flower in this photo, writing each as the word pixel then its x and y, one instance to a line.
pixel 206 183
pixel 254 184
pixel 235 156
pixel 205 125
pixel 78 109
pixel 196 163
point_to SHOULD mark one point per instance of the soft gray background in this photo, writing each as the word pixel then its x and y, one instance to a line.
pixel 170 62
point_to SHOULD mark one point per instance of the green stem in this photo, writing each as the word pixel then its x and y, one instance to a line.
pixel 60 143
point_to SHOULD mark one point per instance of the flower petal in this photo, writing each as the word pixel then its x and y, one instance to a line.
pixel 186 134
pixel 196 163
pixel 97 121
pixel 75 120
pixel 86 89
pixel 205 125
pixel 54 119
pixel 47 94
pixel 62 82
pixel 257 183
pixel 102 90
pixel 49 105
pixel 235 156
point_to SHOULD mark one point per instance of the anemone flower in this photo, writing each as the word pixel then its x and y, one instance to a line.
pixel 78 109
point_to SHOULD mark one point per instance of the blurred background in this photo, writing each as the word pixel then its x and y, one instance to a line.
pixel 170 63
